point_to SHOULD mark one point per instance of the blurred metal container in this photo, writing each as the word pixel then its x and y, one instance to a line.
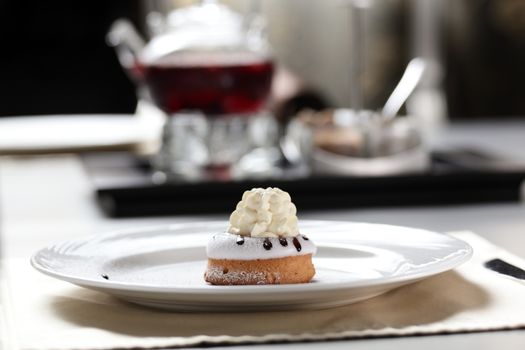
pixel 341 142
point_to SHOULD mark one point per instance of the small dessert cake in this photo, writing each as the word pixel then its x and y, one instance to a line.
pixel 262 244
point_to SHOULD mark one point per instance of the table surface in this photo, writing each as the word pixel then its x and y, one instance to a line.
pixel 49 198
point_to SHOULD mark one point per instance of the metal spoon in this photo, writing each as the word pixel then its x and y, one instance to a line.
pixel 410 79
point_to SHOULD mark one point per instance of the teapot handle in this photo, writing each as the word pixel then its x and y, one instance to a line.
pixel 127 41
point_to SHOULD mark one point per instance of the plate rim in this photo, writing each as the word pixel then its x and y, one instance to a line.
pixel 447 263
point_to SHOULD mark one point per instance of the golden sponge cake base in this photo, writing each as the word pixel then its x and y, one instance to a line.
pixel 287 270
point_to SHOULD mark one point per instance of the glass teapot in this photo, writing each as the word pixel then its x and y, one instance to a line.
pixel 209 69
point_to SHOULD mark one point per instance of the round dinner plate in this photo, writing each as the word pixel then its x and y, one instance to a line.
pixel 163 267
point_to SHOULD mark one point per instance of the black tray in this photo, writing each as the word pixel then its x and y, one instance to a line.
pixel 124 188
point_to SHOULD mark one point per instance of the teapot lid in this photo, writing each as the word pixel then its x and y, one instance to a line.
pixel 204 27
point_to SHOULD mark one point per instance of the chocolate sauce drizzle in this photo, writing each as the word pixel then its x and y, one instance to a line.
pixel 267 244
pixel 297 244
pixel 240 240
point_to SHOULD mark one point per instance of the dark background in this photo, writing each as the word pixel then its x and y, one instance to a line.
pixel 55 59
pixel 484 58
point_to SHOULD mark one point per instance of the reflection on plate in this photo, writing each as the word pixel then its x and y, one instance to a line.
pixel 163 267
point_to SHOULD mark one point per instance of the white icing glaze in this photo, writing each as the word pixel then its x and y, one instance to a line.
pixel 264 212
pixel 224 246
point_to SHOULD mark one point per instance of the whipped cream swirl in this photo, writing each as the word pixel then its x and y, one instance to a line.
pixel 265 212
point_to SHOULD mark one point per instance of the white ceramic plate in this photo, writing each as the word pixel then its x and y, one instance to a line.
pixel 163 267
pixel 71 133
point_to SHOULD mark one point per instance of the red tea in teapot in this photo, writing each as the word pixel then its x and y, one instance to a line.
pixel 215 83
